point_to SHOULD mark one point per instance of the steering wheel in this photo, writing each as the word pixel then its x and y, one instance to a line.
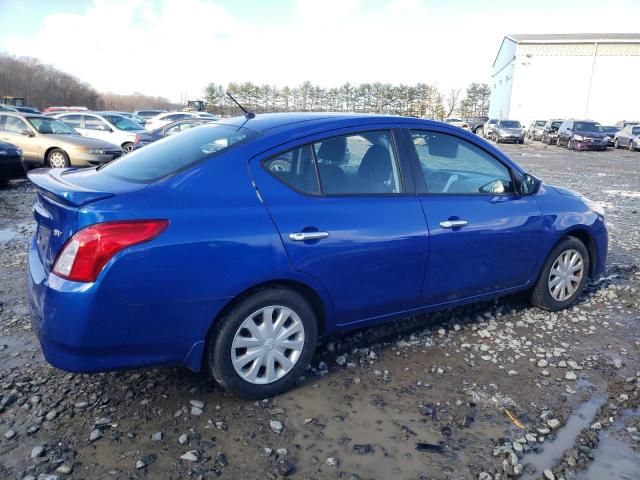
pixel 453 178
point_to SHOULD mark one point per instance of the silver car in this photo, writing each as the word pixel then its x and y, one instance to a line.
pixel 48 142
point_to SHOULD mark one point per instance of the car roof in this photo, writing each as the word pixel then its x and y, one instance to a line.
pixel 264 122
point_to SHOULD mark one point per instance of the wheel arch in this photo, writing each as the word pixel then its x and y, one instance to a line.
pixel 49 150
pixel 585 237
pixel 314 298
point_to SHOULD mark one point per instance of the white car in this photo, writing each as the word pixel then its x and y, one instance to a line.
pixel 168 117
pixel 111 127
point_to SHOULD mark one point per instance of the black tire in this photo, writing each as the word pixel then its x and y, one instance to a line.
pixel 521 141
pixel 631 149
pixel 59 158
pixel 541 296
pixel 127 147
pixel 558 144
pixel 218 355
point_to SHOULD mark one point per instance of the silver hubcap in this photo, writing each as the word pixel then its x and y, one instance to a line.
pixel 128 147
pixel 565 275
pixel 267 345
pixel 57 160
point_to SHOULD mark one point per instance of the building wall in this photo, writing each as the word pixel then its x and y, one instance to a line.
pixel 502 80
pixel 552 81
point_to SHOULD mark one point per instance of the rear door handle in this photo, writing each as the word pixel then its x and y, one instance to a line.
pixel 304 236
pixel 453 223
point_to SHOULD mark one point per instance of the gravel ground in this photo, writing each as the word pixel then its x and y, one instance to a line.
pixel 490 391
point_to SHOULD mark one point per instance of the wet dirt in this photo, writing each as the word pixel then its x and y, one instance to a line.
pixel 369 396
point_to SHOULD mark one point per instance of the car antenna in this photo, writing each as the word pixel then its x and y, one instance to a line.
pixel 247 113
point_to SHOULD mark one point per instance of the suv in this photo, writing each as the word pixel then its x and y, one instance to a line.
pixel 550 131
pixel 476 124
pixel 582 135
pixel 508 131
pixel 534 132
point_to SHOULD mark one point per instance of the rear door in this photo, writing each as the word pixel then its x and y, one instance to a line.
pixel 484 237
pixel 16 131
pixel 343 206
pixel 96 127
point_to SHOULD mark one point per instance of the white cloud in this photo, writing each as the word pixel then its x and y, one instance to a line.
pixel 176 47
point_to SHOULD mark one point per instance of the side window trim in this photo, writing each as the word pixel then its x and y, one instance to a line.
pixel 398 150
pixel 418 175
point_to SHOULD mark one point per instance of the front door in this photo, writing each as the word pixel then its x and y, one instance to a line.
pixel 484 238
pixel 15 130
pixel 343 215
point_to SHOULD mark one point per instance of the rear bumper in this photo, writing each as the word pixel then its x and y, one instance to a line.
pixel 83 327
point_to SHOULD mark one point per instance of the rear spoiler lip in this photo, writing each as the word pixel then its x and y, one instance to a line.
pixel 50 183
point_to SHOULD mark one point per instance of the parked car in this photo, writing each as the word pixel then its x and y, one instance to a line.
pixel 110 127
pixel 10 162
pixel 25 109
pixel 550 131
pixel 131 116
pixel 628 137
pixel 169 129
pixel 195 251
pixel 47 141
pixel 4 108
pixel 626 123
pixel 489 127
pixel 582 135
pixel 611 131
pixel 168 117
pixel 535 130
pixel 64 109
pixel 147 114
pixel 476 124
pixel 457 122
pixel 508 131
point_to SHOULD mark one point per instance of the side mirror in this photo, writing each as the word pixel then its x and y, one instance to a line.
pixel 27 133
pixel 529 184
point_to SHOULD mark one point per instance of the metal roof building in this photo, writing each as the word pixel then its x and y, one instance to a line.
pixel 582 75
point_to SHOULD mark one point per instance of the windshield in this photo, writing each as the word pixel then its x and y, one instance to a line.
pixel 540 123
pixel 510 124
pixel 610 129
pixel 587 127
pixel 122 123
pixel 51 126
pixel 556 124
pixel 177 152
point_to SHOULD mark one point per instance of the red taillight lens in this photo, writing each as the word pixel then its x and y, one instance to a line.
pixel 83 256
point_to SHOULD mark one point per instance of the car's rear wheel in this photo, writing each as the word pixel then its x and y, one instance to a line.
pixel 563 276
pixel 262 345
pixel 480 132
pixel 558 144
pixel 631 149
pixel 615 143
pixel 58 158
pixel 127 147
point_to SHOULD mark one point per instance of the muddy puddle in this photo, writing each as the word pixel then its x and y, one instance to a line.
pixel 566 436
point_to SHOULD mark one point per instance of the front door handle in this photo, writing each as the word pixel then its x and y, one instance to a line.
pixel 305 236
pixel 453 223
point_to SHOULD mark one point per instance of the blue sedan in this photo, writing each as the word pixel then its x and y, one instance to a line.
pixel 233 246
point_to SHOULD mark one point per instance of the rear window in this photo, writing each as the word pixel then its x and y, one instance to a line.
pixel 177 152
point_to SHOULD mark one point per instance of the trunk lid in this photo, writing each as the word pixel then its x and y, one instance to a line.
pixel 60 195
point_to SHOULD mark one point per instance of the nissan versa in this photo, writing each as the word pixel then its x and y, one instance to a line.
pixel 232 246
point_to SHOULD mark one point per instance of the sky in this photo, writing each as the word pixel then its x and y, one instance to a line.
pixel 174 48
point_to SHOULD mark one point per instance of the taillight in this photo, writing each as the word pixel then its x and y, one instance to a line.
pixel 83 256
pixel 137 139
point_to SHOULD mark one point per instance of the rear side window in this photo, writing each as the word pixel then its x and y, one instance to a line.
pixel 296 169
pixel 177 152
pixel 73 120
pixel 357 164
pixel 94 123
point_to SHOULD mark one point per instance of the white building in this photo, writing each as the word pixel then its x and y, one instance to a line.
pixel 585 75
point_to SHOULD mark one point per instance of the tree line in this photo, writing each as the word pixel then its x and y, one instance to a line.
pixel 419 100
pixel 44 86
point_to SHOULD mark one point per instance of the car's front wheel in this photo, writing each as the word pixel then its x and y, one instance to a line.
pixel 616 144
pixel 262 345
pixel 58 158
pixel 127 147
pixel 563 276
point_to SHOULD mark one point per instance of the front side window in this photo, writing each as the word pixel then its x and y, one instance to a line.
pixel 452 166
pixel 94 123
pixel 362 163
pixel 13 125
pixel 635 131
